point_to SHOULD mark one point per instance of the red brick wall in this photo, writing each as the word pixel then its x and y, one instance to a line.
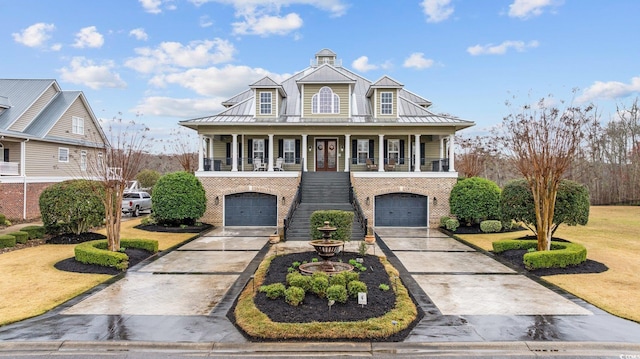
pixel 12 196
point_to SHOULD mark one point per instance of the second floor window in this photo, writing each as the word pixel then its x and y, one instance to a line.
pixel 325 101
pixel 386 103
pixel 63 154
pixel 77 125
pixel 265 103
pixel 83 160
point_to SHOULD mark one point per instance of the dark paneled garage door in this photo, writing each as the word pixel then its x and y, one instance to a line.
pixel 251 209
pixel 401 210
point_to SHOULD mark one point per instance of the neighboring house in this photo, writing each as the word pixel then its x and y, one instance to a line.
pixel 46 136
pixel 327 118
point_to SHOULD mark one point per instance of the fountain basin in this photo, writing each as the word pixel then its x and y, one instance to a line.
pixel 328 267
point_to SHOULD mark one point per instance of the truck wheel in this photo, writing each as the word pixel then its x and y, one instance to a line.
pixel 136 212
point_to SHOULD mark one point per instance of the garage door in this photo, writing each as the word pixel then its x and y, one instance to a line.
pixel 401 210
pixel 251 209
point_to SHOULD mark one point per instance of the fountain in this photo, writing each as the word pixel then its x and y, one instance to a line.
pixel 326 249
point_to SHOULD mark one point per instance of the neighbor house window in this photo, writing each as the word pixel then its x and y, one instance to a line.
pixel 325 101
pixel 258 149
pixel 363 151
pixel 386 103
pixel 63 154
pixel 83 160
pixel 393 150
pixel 265 103
pixel 77 125
pixel 289 151
pixel 100 162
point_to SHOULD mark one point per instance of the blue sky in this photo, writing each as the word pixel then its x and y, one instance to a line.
pixel 170 60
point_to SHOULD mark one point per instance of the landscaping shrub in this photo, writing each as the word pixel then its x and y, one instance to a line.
pixel 572 204
pixel 491 226
pixel 475 199
pixel 147 178
pixel 452 224
pixel 338 279
pixel 21 237
pixel 7 240
pixel 350 276
pixel 3 219
pixel 562 254
pixel 73 206
pixel 355 287
pixel 296 279
pixel 319 285
pixel 273 291
pixel 35 232
pixel 95 252
pixel 342 220
pixel 178 198
pixel 337 293
pixel 294 295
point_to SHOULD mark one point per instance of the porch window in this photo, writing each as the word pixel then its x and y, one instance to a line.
pixel 63 154
pixel 393 150
pixel 258 149
pixel 386 103
pixel 363 151
pixel 289 151
pixel 325 101
pixel 83 160
pixel 77 125
pixel 265 103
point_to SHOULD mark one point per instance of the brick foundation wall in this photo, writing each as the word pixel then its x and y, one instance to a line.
pixel 221 186
pixel 439 188
pixel 12 196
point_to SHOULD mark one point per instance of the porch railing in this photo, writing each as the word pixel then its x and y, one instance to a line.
pixel 358 210
pixel 9 169
pixel 294 204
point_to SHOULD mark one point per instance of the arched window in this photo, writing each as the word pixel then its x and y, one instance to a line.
pixel 325 101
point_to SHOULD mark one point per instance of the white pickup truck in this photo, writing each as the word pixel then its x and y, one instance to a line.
pixel 136 201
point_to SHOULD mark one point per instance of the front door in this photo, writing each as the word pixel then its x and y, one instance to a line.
pixel 326 155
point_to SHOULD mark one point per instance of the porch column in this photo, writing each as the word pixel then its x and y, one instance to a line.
pixel 200 152
pixel 270 165
pixel 347 152
pixel 304 153
pixel 441 147
pixel 23 158
pixel 380 153
pixel 451 152
pixel 234 152
pixel 211 154
pixel 417 154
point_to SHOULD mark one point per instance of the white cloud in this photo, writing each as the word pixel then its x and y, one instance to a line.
pixel 56 47
pixel 268 25
pixel 501 49
pixel 437 10
pixel 151 6
pixel 182 108
pixel 95 76
pixel 35 35
pixel 362 64
pixel 417 61
pixel 205 21
pixel 610 90
pixel 169 55
pixel 335 7
pixel 139 34
pixel 528 8
pixel 89 37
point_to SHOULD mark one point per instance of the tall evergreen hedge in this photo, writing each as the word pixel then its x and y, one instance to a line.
pixel 178 198
pixel 73 206
pixel 474 200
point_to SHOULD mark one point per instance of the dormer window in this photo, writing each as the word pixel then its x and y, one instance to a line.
pixel 265 103
pixel 325 101
pixel 386 103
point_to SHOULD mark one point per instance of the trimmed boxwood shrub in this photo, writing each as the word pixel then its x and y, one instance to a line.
pixel 178 198
pixel 7 240
pixel 561 255
pixel 95 252
pixel 355 287
pixel 342 220
pixel 35 232
pixel 296 279
pixel 21 237
pixel 2 219
pixel 337 293
pixel 73 206
pixel 319 285
pixel 273 291
pixel 294 295
pixel 491 226
pixel 451 224
pixel 474 200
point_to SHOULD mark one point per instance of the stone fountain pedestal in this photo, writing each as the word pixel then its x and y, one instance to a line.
pixel 326 249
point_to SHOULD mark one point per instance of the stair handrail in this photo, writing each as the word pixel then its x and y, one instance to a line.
pixel 357 209
pixel 295 203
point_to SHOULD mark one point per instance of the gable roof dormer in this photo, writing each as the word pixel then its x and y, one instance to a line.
pixel 385 82
pixel 267 83
pixel 326 74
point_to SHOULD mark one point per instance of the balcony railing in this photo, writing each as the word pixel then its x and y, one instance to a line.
pixel 9 169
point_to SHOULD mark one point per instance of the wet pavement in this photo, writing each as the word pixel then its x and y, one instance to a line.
pixel 183 296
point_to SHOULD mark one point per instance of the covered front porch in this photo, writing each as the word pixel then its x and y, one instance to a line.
pixel 12 152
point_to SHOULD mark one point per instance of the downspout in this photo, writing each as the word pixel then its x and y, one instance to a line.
pixel 23 173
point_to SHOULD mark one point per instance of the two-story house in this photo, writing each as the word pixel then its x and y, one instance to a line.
pixel 398 154
pixel 46 136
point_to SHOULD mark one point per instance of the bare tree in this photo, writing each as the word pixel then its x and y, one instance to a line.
pixel 183 145
pixel 472 155
pixel 542 141
pixel 118 164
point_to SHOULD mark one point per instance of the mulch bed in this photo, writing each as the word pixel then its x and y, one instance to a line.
pixel 184 229
pixel 71 238
pixel 315 308
pixel 475 229
pixel 514 256
pixel 136 256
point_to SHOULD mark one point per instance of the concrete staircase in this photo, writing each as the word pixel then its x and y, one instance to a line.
pixel 321 191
